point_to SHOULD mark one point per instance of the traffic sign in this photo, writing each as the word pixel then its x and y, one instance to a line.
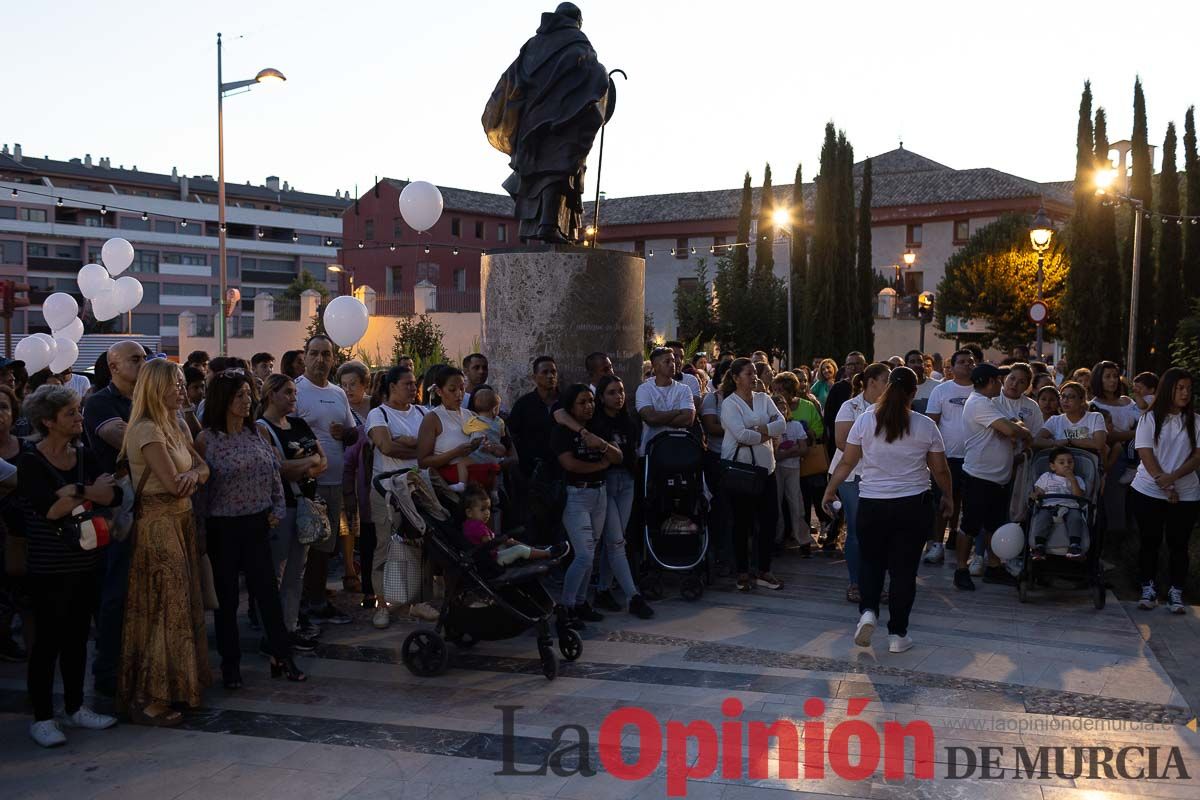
pixel 1038 312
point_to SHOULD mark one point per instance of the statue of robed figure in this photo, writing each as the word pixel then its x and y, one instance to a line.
pixel 545 113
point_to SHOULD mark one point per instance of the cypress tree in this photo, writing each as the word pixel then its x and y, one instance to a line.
pixel 847 276
pixel 799 268
pixel 1191 230
pixel 866 273
pixel 1107 314
pixel 1142 189
pixel 1079 326
pixel 825 321
pixel 1168 308
pixel 764 244
pixel 741 254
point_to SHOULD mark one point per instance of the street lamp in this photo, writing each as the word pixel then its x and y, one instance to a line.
pixel 782 217
pixel 909 258
pixel 1040 234
pixel 1104 181
pixel 265 76
pixel 338 268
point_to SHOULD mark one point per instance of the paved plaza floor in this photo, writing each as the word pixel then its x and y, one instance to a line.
pixel 1033 681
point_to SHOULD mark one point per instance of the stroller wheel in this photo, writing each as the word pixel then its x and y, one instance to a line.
pixel 425 654
pixel 692 588
pixel 549 661
pixel 1023 589
pixel 1099 594
pixel 570 645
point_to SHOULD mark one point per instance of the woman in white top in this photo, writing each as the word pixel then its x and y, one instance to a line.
pixel 442 443
pixel 897 449
pixel 751 420
pixel 1166 491
pixel 1075 426
pixel 874 381
pixel 1108 395
pixel 392 427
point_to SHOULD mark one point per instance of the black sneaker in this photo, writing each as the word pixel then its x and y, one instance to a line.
pixel 302 643
pixel 12 650
pixel 571 619
pixel 640 608
pixel 962 580
pixel 328 615
pixel 1039 552
pixel 1075 550
pixel 588 614
pixel 308 630
pixel 606 601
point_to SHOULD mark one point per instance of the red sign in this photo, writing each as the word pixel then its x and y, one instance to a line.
pixel 1038 312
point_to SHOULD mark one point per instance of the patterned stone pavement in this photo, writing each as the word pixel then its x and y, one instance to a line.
pixel 1045 680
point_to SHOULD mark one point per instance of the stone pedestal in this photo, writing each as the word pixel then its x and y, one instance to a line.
pixel 562 301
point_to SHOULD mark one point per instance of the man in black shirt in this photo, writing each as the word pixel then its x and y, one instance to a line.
pixel 839 393
pixel 531 419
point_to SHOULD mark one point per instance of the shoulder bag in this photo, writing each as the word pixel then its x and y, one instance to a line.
pixel 86 527
pixel 312 513
pixel 738 477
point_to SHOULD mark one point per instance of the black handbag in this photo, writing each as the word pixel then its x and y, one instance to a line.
pixel 738 477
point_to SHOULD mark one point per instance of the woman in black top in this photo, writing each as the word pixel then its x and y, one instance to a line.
pixel 584 458
pixel 12 588
pixel 613 424
pixel 55 476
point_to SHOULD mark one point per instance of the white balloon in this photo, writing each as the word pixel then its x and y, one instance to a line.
pixel 346 320
pixel 34 351
pixel 127 292
pixel 65 358
pixel 117 255
pixel 421 205
pixel 49 340
pixel 73 331
pixel 92 280
pixel 104 306
pixel 1008 541
pixel 59 309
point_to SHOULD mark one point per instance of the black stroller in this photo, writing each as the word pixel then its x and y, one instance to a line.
pixel 676 514
pixel 1056 565
pixel 483 601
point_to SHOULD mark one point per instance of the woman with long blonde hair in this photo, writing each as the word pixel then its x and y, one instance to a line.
pixel 164 652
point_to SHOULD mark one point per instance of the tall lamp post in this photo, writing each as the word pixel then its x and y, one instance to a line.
pixel 349 273
pixel 268 75
pixel 1040 234
pixel 782 217
pixel 925 314
pixel 1104 182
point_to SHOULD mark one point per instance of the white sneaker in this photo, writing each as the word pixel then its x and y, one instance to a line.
pixel 1175 600
pixel 865 629
pixel 47 733
pixel 424 611
pixel 1149 597
pixel 898 644
pixel 976 566
pixel 382 617
pixel 86 718
pixel 935 553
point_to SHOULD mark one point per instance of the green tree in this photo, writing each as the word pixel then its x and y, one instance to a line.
pixel 824 323
pixel 1191 233
pixel 1141 188
pixel 301 283
pixel 764 244
pixel 1080 332
pixel 1107 313
pixel 1168 268
pixel 994 278
pixel 799 265
pixel 740 253
pixel 419 337
pixel 694 310
pixel 866 273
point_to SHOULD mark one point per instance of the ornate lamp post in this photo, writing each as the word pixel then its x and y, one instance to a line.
pixel 1040 234
pixel 1104 182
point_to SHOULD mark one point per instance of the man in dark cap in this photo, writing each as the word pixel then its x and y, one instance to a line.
pixel 545 113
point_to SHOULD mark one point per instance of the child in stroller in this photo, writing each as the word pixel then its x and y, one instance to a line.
pixel 477 507
pixel 1060 479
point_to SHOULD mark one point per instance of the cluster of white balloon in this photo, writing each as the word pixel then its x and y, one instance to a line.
pixel 346 317
pixel 59 351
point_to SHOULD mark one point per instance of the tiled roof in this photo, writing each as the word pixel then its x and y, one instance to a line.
pixel 36 166
pixel 895 162
pixel 467 201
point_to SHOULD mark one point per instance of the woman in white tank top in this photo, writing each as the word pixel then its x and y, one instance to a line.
pixel 441 442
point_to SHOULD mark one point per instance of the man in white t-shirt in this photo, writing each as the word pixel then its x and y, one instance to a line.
pixel 987 467
pixel 323 405
pixel 915 360
pixel 663 402
pixel 945 407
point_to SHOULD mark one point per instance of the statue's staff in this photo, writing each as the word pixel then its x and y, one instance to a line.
pixel 600 166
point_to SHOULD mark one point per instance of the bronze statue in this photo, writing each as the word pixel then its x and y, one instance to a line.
pixel 545 113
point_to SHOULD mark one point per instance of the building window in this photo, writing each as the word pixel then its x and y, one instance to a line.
pixel 8 212
pixel 10 252
pixel 164 226
pixel 145 324
pixel 962 231
pixel 33 214
pixel 93 222
pixel 393 280
pixel 67 251
pixel 478 230
pixel 719 248
pixel 914 283
pixel 134 224
pixel 455 227
pixel 501 232
pixel 186 289
pixel 170 320
pixel 639 248
pixel 913 236
pixel 460 280
pixel 428 271
pixel 143 261
pixel 681 247
pixel 397 227
pixel 204 326
pixel 369 230
pixel 37 250
pixel 186 259
pixel 150 292
pixel 688 285
pixel 315 268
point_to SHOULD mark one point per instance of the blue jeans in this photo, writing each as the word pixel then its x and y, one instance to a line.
pixel 619 488
pixel 111 619
pixel 583 518
pixel 848 493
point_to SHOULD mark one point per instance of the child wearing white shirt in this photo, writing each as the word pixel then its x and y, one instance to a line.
pixel 789 451
pixel 1061 479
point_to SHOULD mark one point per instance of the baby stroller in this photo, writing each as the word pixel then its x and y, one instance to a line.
pixel 483 601
pixel 1056 565
pixel 676 513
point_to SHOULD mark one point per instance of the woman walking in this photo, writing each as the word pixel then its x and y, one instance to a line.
pixel 301 460
pixel 897 449
pixel 751 420
pixel 245 500
pixel 56 476
pixel 1166 491
pixel 164 644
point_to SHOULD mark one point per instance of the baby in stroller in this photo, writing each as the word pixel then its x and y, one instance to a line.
pixel 477 506
pixel 1060 479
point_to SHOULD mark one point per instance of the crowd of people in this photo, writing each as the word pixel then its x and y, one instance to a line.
pixel 141 497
